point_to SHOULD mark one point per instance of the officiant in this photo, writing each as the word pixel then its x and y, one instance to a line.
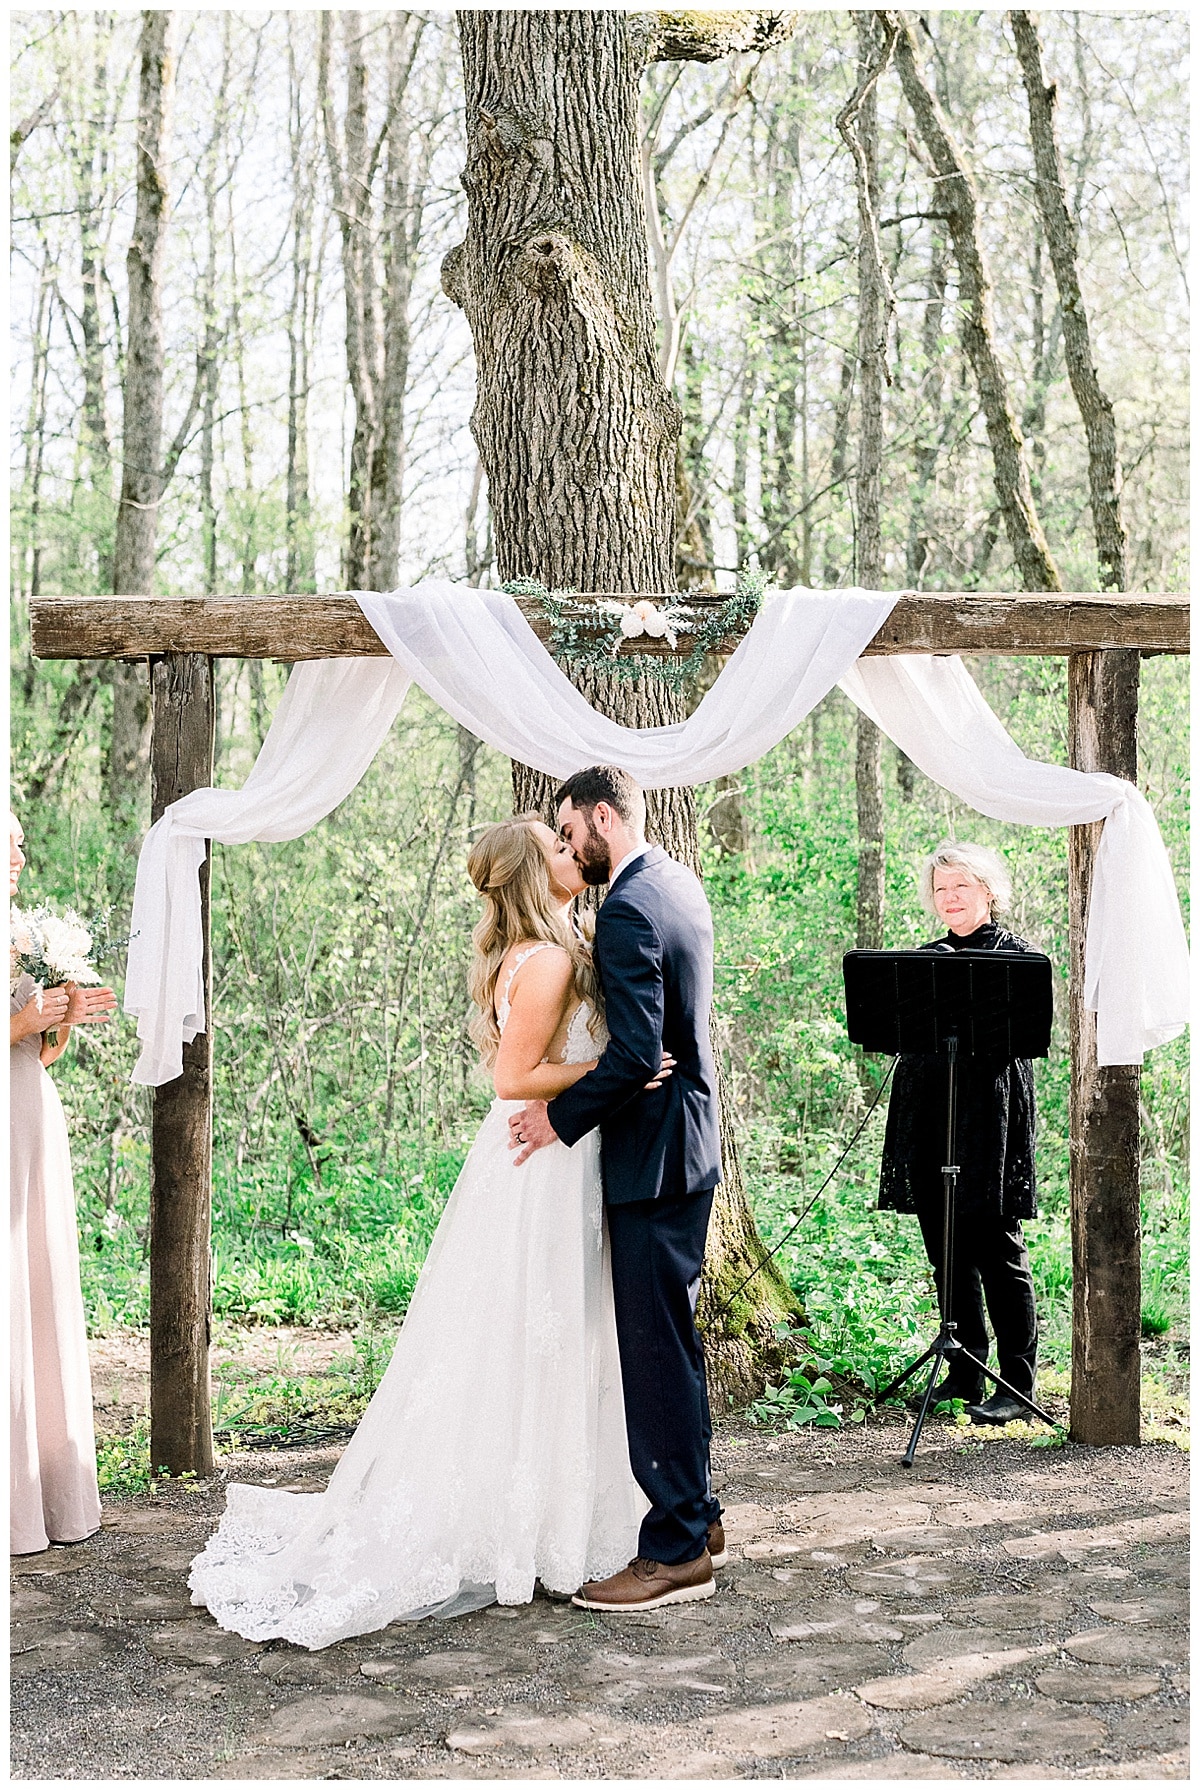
pixel 968 887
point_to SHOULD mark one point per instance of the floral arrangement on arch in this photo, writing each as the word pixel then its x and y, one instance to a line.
pixel 587 630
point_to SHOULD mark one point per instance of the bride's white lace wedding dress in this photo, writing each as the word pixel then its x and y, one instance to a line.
pixel 494 1451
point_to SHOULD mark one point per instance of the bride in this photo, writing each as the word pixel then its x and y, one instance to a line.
pixel 493 1453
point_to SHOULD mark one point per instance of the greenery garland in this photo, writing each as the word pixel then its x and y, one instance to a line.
pixel 584 631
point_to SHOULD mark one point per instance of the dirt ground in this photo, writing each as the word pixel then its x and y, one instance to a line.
pixel 999 1611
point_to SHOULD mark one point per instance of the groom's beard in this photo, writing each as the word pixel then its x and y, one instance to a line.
pixel 594 858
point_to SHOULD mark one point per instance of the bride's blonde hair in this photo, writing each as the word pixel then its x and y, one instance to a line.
pixel 509 868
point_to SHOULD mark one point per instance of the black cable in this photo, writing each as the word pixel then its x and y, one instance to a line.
pixel 721 1310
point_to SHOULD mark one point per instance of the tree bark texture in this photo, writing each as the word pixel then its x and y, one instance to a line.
pixel 181 1126
pixel 780 280
pixel 89 125
pixel 859 125
pixel 304 626
pixel 868 792
pixel 1062 237
pixel 957 201
pixel 377 327
pixel 141 473
pixel 709 36
pixel 301 569
pixel 933 377
pixel 574 425
pixel 1105 1187
pixel 137 518
pixel 577 434
pixel 35 430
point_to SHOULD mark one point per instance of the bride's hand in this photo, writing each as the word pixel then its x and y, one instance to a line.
pixel 668 1063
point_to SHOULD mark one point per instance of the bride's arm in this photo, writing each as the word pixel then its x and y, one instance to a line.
pixel 539 997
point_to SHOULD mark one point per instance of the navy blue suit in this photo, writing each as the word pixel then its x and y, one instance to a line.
pixel 661 1159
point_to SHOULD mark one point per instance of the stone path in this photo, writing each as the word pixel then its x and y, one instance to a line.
pixel 998 1612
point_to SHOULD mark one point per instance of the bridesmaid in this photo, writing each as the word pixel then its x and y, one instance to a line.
pixel 52 1450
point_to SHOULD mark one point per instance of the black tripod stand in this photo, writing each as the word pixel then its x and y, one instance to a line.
pixel 955 1003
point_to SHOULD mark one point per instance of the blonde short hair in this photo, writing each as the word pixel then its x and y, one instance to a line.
pixel 986 866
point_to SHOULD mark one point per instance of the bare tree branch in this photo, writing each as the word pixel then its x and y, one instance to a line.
pixel 708 36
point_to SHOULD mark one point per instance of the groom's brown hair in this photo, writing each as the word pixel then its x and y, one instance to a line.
pixel 605 783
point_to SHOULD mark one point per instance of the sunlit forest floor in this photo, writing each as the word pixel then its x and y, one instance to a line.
pixel 1000 1610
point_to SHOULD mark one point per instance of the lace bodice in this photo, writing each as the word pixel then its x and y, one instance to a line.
pixel 582 1043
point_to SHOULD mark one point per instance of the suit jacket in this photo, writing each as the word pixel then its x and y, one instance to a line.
pixel 654 957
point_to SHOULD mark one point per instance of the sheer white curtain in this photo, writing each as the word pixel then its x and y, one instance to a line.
pixel 332 718
pixel 476 655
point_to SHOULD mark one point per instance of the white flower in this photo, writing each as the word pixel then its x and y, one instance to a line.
pixel 66 942
pixel 644 617
pixel 55 947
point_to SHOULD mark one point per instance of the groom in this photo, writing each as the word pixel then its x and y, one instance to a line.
pixel 661 1160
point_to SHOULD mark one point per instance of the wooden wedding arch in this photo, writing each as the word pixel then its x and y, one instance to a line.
pixel 181 637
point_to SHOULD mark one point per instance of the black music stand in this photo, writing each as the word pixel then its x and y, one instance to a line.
pixel 953 1004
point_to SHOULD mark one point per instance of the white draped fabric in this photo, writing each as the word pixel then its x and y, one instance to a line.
pixel 476 655
pixel 332 719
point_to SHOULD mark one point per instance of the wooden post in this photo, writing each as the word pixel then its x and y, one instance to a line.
pixel 1105 1189
pixel 181 758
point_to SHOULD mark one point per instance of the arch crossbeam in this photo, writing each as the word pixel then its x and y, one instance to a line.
pixel 334 627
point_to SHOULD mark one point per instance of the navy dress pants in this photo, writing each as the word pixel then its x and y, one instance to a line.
pixel 990 1262
pixel 657 1249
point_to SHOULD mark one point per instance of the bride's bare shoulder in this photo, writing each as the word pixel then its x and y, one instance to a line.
pixel 534 963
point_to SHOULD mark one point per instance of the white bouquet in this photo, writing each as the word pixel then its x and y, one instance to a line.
pixel 52 948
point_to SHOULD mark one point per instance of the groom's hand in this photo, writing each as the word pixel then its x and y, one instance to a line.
pixel 530 1130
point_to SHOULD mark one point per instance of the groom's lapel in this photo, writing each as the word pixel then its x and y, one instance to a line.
pixel 653 855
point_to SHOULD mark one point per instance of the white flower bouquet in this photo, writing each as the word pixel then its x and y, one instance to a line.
pixel 52 948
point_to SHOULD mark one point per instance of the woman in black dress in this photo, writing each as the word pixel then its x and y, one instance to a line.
pixel 966 886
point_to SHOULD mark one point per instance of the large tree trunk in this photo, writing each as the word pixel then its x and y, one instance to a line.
pixel 859 125
pixel 956 199
pixel 141 478
pixel 577 431
pixel 1062 237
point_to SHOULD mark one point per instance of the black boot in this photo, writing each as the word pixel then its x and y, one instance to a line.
pixel 1002 1407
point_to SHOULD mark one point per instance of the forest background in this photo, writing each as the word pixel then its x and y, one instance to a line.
pixel 346 1087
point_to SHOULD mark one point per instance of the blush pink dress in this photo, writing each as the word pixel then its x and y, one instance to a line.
pixel 52 1447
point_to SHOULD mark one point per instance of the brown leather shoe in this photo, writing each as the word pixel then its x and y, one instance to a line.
pixel 644 1584
pixel 718 1553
